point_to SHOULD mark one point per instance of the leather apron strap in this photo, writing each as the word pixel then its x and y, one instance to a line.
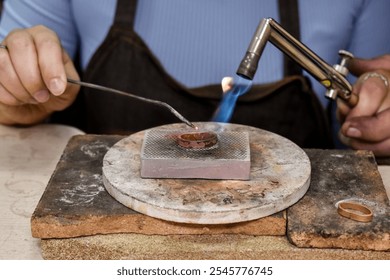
pixel 125 13
pixel 289 19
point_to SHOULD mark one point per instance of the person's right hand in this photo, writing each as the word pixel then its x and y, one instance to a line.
pixel 367 125
pixel 33 76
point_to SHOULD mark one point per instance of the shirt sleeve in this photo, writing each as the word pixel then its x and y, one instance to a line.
pixel 54 14
pixel 370 35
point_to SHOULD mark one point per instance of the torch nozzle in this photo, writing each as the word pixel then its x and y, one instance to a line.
pixel 248 66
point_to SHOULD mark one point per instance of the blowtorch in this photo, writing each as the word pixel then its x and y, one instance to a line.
pixel 332 78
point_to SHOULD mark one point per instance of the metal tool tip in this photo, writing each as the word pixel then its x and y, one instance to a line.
pixel 193 126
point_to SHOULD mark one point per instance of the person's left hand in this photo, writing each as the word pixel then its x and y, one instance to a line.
pixel 367 125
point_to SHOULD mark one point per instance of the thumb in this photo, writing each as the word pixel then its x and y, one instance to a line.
pixel 372 129
pixel 359 66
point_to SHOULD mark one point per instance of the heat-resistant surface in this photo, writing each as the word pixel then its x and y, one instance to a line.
pixel 280 176
pixel 162 157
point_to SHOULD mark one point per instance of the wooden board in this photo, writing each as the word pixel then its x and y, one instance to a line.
pixel 194 247
pixel 341 175
pixel 280 176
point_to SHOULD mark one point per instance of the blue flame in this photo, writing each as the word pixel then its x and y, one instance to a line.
pixel 228 103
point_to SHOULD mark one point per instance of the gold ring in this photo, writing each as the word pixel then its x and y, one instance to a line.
pixel 355 211
pixel 376 75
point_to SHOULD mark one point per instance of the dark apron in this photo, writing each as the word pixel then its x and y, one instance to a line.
pixel 288 107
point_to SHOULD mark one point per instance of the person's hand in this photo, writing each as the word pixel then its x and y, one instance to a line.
pixel 367 125
pixel 33 76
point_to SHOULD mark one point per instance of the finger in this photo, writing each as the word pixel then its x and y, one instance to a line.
pixel 11 83
pixel 359 66
pixel 372 92
pixel 64 100
pixel 7 98
pixel 373 129
pixel 70 70
pixel 50 59
pixel 227 84
pixel 381 148
pixel 342 110
pixel 23 55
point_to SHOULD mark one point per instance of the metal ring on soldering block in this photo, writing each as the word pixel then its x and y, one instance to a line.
pixel 355 211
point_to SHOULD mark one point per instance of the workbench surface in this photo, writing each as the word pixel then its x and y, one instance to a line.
pixel 27 161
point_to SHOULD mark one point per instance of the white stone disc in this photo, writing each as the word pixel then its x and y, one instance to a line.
pixel 280 176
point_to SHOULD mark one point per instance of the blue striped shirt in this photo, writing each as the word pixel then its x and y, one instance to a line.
pixel 199 42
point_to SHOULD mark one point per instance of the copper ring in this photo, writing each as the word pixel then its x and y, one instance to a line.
pixel 376 75
pixel 355 211
pixel 197 140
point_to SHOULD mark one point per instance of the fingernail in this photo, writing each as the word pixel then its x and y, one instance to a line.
pixel 42 96
pixel 57 86
pixel 353 132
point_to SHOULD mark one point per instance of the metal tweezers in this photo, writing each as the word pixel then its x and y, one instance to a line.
pixel 126 94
